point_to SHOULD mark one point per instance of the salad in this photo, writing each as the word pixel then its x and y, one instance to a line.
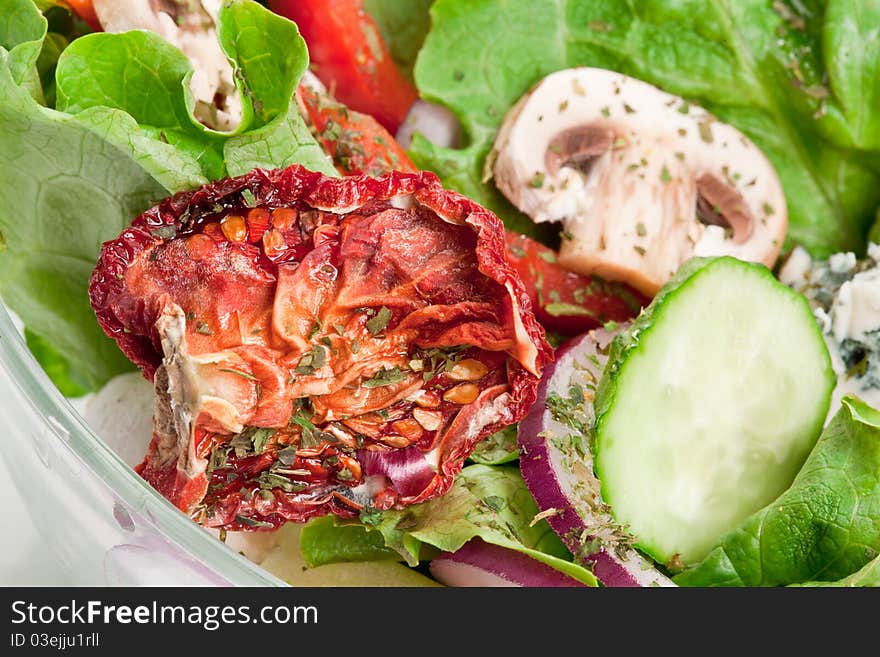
pixel 465 293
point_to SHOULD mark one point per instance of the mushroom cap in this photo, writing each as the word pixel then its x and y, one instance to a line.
pixel 641 179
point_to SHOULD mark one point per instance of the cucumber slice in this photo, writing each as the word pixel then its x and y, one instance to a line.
pixel 708 406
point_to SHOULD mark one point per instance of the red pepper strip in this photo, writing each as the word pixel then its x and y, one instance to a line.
pixel 85 10
pixel 564 301
pixel 349 55
pixel 356 142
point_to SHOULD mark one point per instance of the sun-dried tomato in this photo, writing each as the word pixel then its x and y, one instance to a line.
pixel 318 344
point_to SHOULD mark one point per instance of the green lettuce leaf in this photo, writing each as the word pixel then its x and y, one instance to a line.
pixel 283 142
pixel 824 527
pixel 137 71
pixel 141 74
pixel 868 575
pixel 22 29
pixel 63 27
pixel 851 48
pixel 491 502
pixel 323 541
pixel 499 448
pixel 404 25
pixel 53 45
pixel 122 138
pixel 803 87
pixel 57 367
pixel 270 57
pixel 72 191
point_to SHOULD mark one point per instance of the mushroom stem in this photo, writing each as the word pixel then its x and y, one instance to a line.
pixel 618 230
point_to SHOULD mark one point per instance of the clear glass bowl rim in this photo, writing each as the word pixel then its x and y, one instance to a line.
pixel 48 402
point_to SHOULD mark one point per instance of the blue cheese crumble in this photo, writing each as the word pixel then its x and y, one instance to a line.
pixel 845 295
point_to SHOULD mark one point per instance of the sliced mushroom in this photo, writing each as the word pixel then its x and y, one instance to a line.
pixel 640 179
pixel 191 25
pixel 212 390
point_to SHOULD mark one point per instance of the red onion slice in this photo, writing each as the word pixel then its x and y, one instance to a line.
pixel 480 564
pixel 562 482
pixel 408 469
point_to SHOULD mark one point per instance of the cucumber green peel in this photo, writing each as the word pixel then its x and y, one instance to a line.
pixel 708 407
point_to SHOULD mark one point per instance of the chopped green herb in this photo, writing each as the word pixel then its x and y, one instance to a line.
pixel 203 329
pixel 242 443
pixel 355 346
pixel 665 175
pixel 370 516
pixel 547 256
pixel 248 197
pixel 385 378
pixel 600 26
pixel 218 458
pixel 380 321
pixel 268 480
pixel 705 128
pixel 260 437
pixel 495 502
pixel 310 436
pixel 287 456
pixel 251 522
pixel 558 309
pixel 244 375
pixel 537 180
pixel 570 410
pixel 164 232
pixel 641 231
pixel 312 360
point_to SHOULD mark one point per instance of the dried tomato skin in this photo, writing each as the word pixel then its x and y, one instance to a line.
pixel 186 212
pixel 130 320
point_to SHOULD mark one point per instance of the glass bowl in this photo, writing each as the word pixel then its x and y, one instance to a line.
pixel 104 523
